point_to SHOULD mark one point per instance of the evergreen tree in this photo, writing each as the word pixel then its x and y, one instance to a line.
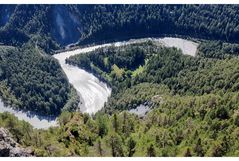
pixel 131 147
pixel 115 143
pixel 151 151
pixel 198 149
pixel 100 150
pixel 187 153
pixel 115 123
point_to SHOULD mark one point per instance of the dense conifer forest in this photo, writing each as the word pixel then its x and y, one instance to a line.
pixel 193 101
pixel 31 81
pixel 62 24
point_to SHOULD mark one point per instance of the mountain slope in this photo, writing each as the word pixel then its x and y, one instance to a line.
pixel 193 101
pixel 9 148
pixel 67 24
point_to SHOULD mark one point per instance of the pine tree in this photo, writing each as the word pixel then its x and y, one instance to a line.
pixel 100 150
pixel 115 143
pixel 188 153
pixel 151 151
pixel 124 123
pixel 199 149
pixel 131 147
pixel 102 127
pixel 115 123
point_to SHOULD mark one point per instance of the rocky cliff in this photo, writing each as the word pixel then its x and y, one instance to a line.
pixel 10 148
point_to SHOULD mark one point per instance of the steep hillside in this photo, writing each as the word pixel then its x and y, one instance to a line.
pixel 32 81
pixel 6 12
pixel 192 101
pixel 9 148
pixel 126 66
pixel 67 24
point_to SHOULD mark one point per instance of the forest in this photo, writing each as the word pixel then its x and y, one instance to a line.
pixel 206 125
pixel 32 81
pixel 218 22
pixel 152 63
pixel 103 23
pixel 218 49
pixel 193 100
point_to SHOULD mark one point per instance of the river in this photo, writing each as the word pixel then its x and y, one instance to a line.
pixel 92 91
pixel 39 122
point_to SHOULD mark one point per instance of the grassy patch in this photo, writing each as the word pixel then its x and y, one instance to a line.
pixel 139 70
pixel 117 71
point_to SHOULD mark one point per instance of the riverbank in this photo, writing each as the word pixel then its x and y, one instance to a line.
pixel 93 92
pixel 39 122
pixel 189 47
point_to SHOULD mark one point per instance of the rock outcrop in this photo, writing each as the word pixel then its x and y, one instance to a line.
pixel 9 147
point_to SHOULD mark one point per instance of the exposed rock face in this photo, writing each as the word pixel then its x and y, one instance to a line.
pixel 10 148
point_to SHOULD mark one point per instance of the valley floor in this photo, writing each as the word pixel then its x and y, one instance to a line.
pixel 93 92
